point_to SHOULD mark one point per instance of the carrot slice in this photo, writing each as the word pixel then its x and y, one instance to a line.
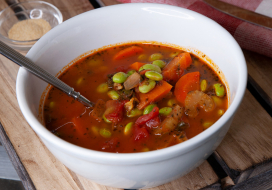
pixel 130 51
pixel 185 84
pixel 159 92
pixel 174 70
pixel 80 129
pixel 136 66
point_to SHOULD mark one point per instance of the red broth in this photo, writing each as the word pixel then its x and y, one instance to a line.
pixel 187 90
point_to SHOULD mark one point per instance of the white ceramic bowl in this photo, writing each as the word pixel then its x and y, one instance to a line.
pixel 123 23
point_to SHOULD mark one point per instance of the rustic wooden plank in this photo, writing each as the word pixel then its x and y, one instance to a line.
pixel 248 141
pixel 196 179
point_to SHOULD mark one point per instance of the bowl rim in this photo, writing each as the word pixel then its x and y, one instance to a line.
pixel 30 2
pixel 143 157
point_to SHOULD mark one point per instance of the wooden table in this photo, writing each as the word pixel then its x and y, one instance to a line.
pixel 242 161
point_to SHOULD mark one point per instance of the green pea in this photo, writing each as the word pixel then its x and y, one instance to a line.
pixel 159 63
pixel 105 133
pixel 207 124
pixel 149 108
pixel 102 88
pixel 113 95
pixel 135 112
pixel 173 54
pixel 171 102
pixel 220 112
pixel 105 119
pixel 155 56
pixel 142 57
pixel 128 128
pixel 150 67
pixel 130 72
pixel 153 75
pixel 203 85
pixel 165 111
pixel 219 89
pixel 119 77
pixel 147 86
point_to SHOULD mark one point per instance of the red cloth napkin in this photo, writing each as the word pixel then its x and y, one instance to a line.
pixel 249 36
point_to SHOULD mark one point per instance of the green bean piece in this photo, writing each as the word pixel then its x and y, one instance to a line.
pixel 219 89
pixel 165 111
pixel 142 57
pixel 105 133
pixel 153 75
pixel 155 56
pixel 147 86
pixel 113 95
pixel 173 54
pixel 130 72
pixel 150 67
pixel 102 88
pixel 105 119
pixel 171 102
pixel 149 108
pixel 128 128
pixel 159 63
pixel 207 124
pixel 134 112
pixel 119 77
pixel 203 85
pixel 220 112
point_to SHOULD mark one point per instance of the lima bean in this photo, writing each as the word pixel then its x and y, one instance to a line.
pixel 153 75
pixel 105 133
pixel 149 108
pixel 159 63
pixel 147 86
pixel 150 67
pixel 203 85
pixel 102 88
pixel 134 112
pixel 130 72
pixel 113 95
pixel 128 128
pixel 119 77
pixel 219 89
pixel 155 56
pixel 165 111
pixel 142 57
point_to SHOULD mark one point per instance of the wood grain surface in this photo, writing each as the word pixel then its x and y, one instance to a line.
pixel 44 170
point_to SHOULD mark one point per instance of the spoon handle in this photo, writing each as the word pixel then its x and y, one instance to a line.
pixel 26 63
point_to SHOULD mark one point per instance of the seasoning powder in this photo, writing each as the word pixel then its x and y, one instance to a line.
pixel 30 29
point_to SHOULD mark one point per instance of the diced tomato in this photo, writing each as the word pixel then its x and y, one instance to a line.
pixel 185 84
pixel 136 66
pixel 143 119
pixel 174 70
pixel 115 110
pixel 152 123
pixel 143 72
pixel 140 133
pixel 110 145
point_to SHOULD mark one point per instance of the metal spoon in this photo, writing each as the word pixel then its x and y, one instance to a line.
pixel 29 65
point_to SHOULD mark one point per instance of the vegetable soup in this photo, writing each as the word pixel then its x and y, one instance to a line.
pixel 147 97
